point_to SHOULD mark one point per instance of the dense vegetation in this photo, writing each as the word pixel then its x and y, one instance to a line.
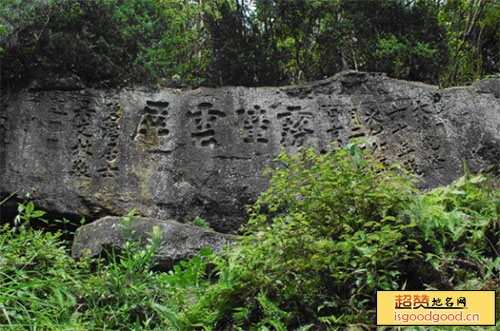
pixel 330 231
pixel 248 42
pixel 341 228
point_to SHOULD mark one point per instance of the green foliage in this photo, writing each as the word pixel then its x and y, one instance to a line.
pixel 36 275
pixel 125 292
pixel 3 31
pixel 104 42
pixel 320 38
pixel 244 42
pixel 473 38
pixel 331 230
pixel 120 292
pixel 329 245
pixel 42 287
pixel 334 228
pixel 198 221
pixel 460 225
pixel 243 48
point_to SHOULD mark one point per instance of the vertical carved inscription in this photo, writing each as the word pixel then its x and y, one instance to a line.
pixel 153 123
pixel 336 120
pixel 366 120
pixel 205 116
pixel 391 131
pixel 398 131
pixel 404 150
pixel 407 153
pixel 296 126
pixel 3 130
pixel 111 129
pixel 256 125
pixel 82 150
pixel 54 118
pixel 357 127
pixel 434 155
pixel 55 127
pixel 372 119
pixel 432 146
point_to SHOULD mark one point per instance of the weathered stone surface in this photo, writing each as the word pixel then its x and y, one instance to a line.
pixel 178 154
pixel 178 241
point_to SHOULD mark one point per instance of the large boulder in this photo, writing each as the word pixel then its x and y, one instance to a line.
pixel 178 241
pixel 177 154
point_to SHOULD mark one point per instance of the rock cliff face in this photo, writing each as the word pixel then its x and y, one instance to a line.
pixel 179 154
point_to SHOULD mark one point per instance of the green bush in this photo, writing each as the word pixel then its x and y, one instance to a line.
pixel 334 238
pixel 460 227
pixel 333 229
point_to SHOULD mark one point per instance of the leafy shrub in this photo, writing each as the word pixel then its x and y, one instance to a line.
pixel 334 238
pixel 460 228
pixel 332 229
